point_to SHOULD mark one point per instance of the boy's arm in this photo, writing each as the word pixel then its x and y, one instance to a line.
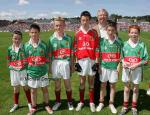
pixel 8 57
pixel 145 56
pixel 97 48
pixel 71 56
pixel 75 45
pixel 49 56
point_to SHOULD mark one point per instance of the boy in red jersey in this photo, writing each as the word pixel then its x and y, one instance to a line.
pixel 17 67
pixel 86 47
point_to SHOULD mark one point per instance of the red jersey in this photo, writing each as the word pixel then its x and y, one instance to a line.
pixel 86 44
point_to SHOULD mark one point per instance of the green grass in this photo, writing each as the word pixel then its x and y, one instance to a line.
pixel 6 91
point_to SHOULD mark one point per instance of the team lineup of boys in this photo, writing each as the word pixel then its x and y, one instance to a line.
pixel 98 49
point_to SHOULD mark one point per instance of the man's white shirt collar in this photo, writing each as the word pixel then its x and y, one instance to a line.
pixel 102 31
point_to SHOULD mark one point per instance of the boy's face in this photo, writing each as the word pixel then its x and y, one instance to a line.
pixel 85 21
pixel 34 33
pixel 59 26
pixel 102 17
pixel 111 31
pixel 133 34
pixel 16 39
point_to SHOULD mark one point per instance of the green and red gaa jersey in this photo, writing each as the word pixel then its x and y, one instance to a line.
pixel 110 53
pixel 16 60
pixel 60 49
pixel 86 45
pixel 135 54
pixel 37 58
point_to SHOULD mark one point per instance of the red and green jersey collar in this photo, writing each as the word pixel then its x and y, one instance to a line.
pixel 55 35
pixel 34 44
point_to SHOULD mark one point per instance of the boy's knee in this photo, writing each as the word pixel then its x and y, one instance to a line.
pixel 135 90
pixel 103 85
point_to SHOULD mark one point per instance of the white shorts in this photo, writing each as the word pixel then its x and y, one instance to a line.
pixel 60 69
pixel 38 82
pixel 108 75
pixel 136 75
pixel 86 65
pixel 18 77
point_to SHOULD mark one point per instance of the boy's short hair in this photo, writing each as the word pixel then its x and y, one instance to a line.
pixel 18 33
pixel 134 27
pixel 35 26
pixel 112 24
pixel 85 13
pixel 59 19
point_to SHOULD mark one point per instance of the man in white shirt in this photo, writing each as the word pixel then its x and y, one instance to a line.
pixel 102 17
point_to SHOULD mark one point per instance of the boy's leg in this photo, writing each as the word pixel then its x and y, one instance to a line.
pixel 16 98
pixel 58 90
pixel 81 93
pixel 69 93
pixel 91 89
pixel 112 96
pixel 102 94
pixel 126 99
pixel 28 96
pixel 68 89
pixel 91 93
pixel 126 95
pixel 134 99
pixel 16 94
pixel 46 99
pixel 57 94
pixel 112 92
pixel 82 88
pixel 28 93
pixel 34 98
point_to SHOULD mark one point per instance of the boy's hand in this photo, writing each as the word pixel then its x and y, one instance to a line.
pixel 126 65
pixel 134 66
pixel 95 67
pixel 78 67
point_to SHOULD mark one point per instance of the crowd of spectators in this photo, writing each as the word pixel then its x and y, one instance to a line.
pixel 71 25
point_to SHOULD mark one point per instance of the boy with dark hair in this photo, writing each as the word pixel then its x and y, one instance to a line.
pixel 17 67
pixel 86 48
pixel 37 69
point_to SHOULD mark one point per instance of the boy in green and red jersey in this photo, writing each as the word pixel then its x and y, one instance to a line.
pixel 111 49
pixel 60 52
pixel 17 66
pixel 134 57
pixel 37 69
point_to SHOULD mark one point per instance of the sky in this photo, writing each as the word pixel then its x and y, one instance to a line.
pixel 23 9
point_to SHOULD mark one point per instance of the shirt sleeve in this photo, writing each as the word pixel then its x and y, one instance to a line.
pixel 97 49
pixel 75 45
pixel 144 56
pixel 49 51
